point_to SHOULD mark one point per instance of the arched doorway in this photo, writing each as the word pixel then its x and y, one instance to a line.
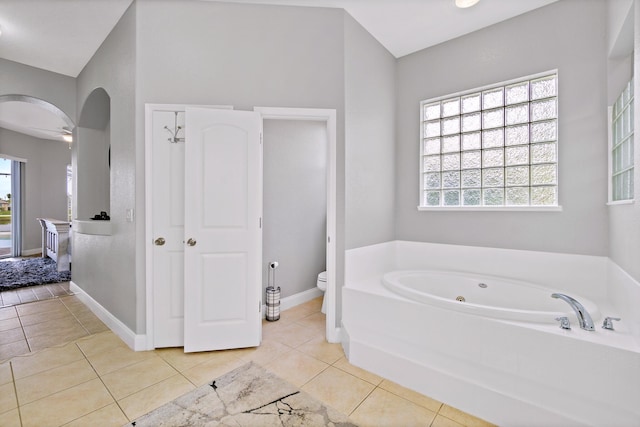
pixel 33 117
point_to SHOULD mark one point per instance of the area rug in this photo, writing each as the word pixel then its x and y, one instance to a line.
pixel 30 272
pixel 247 396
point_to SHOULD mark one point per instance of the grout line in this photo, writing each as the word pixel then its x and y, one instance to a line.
pixel 15 391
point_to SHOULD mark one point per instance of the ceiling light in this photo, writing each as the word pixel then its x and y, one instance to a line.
pixel 462 4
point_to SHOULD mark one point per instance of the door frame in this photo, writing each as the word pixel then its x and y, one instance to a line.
pixel 268 113
pixel 329 117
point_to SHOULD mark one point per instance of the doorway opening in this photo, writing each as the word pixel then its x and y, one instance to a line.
pixel 327 119
pixel 6 224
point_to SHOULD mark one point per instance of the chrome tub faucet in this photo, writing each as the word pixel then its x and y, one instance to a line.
pixel 584 319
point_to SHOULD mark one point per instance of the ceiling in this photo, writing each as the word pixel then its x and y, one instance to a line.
pixel 62 35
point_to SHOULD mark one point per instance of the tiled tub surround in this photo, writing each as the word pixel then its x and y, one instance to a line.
pixel 507 372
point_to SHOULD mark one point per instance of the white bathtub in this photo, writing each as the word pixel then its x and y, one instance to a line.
pixel 484 295
pixel 500 355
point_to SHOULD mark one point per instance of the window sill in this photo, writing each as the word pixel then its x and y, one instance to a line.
pixel 491 209
pixel 621 202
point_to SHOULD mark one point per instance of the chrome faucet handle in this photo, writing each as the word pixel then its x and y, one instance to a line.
pixel 608 323
pixel 564 322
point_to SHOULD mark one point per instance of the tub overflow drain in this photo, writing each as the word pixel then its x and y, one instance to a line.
pixel 482 285
pixel 460 298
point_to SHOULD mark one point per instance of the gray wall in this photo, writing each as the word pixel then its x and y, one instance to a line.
pixel 105 266
pixel 197 52
pixel 530 43
pixel 45 181
pixel 57 89
pixel 624 220
pixel 295 203
pixel 369 73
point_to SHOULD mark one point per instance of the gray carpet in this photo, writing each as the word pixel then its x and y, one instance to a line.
pixel 247 396
pixel 30 272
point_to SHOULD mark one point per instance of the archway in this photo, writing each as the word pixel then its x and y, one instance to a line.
pixel 22 117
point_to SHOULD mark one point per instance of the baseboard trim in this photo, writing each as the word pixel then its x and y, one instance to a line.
pixel 135 341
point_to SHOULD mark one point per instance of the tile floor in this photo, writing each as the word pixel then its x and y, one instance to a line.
pixel 27 328
pixel 34 293
pixel 98 380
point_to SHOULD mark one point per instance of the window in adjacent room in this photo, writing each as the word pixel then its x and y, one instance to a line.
pixel 622 146
pixel 492 147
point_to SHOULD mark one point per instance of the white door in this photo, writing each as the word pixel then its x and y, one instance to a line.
pixel 167 230
pixel 223 236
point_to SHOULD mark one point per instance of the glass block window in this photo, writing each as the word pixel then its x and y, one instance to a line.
pixel 492 147
pixel 622 146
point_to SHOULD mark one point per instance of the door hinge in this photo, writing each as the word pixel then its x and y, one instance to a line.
pixel 260 222
pixel 260 137
pixel 259 306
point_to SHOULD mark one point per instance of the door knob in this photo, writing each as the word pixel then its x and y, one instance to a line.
pixel 159 241
pixel 191 242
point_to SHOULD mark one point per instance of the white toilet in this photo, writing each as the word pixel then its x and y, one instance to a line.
pixel 322 285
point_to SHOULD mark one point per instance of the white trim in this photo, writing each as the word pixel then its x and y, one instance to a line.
pixel 609 155
pixel 148 188
pixel 621 202
pixel 494 209
pixel 328 116
pixel 134 341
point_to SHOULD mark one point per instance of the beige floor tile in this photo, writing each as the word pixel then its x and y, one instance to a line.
pixel 11 418
pixel 40 307
pixel 65 334
pixel 64 324
pixel 94 326
pixel 100 343
pixel 211 369
pixel 322 350
pixel 10 298
pixel 344 365
pixel 67 405
pixel 382 408
pixel 180 360
pixel 109 416
pixel 463 418
pixel 267 352
pixel 314 321
pixel 53 381
pixel 296 367
pixel 441 421
pixel 46 317
pixel 296 313
pixel 8 313
pixel 338 389
pixel 45 360
pixel 150 398
pixel 5 373
pixel 7 398
pixel 413 396
pixel 11 335
pixel 314 305
pixel 291 334
pixel 10 323
pixel 133 378
pixel 117 358
pixel 10 350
